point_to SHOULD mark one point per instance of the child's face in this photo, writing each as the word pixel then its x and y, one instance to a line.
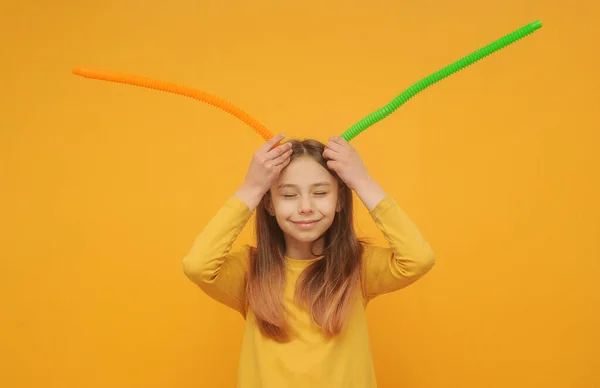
pixel 304 200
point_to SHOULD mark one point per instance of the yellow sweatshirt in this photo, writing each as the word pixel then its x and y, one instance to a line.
pixel 309 359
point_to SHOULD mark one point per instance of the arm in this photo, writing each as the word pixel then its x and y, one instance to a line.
pixel 221 274
pixel 211 264
pixel 408 257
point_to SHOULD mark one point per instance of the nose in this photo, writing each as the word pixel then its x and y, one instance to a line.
pixel 305 205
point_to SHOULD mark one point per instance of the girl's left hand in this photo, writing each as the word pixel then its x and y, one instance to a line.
pixel 345 161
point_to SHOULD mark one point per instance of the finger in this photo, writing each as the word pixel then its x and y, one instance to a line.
pixel 334 145
pixel 271 143
pixel 338 140
pixel 282 158
pixel 284 164
pixel 278 151
pixel 330 154
pixel 333 165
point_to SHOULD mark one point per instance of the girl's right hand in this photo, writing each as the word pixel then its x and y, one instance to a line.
pixel 264 170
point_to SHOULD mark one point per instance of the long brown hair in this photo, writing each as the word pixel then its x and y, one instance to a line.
pixel 326 286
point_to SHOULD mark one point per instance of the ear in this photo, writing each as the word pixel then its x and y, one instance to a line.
pixel 269 205
pixel 341 199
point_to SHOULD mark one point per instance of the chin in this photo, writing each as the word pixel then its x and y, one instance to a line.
pixel 312 237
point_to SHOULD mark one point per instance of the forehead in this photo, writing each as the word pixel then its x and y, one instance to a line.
pixel 304 171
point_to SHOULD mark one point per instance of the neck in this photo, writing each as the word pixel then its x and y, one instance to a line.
pixel 302 250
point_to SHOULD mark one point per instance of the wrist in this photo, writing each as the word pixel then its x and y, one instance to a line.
pixel 369 192
pixel 364 181
pixel 250 194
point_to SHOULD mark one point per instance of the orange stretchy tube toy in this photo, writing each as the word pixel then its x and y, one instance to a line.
pixel 176 89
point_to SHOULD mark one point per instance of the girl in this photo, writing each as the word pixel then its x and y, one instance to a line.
pixel 304 288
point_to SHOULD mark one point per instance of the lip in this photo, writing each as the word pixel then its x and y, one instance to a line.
pixel 306 224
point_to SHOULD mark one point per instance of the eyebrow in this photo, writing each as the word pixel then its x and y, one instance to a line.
pixel 292 185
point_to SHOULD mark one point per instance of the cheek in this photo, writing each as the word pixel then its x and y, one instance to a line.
pixel 283 209
pixel 327 205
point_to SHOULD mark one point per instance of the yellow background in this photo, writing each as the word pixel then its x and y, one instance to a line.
pixel 105 186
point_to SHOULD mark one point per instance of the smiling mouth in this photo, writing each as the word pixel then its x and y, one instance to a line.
pixel 306 224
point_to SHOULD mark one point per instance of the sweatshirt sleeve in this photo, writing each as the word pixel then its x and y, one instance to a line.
pixel 212 265
pixel 407 258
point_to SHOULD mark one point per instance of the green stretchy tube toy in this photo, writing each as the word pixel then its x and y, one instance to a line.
pixel 439 75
